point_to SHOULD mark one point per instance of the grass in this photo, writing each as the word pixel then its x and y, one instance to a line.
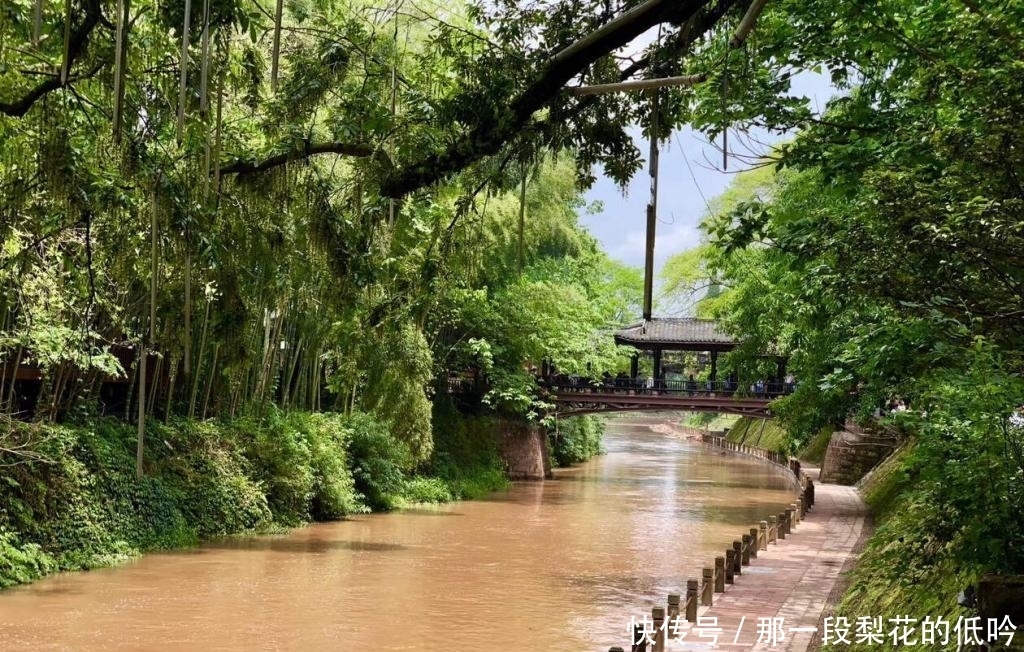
pixel 887 581
pixel 814 452
pixel 764 433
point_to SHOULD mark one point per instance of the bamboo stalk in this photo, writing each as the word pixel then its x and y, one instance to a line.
pixel 217 129
pixel 294 367
pixel 187 361
pixel 317 375
pixel 210 378
pixel 202 352
pixel 184 71
pixel 119 61
pixel 522 220
pixel 275 60
pixel 37 22
pixel 152 336
pixel 154 384
pixel 270 362
pixel 234 399
pixel 141 432
pixel 65 67
pixel 14 379
pixel 131 392
pixel 172 376
pixel 55 391
pixel 204 71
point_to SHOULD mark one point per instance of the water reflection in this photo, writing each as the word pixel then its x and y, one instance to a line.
pixel 558 566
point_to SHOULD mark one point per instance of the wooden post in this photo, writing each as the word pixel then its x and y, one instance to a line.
pixel 737 557
pixel 800 508
pixel 658 618
pixel 809 492
pixel 762 535
pixel 672 613
pixel 781 525
pixel 707 587
pixel 747 545
pixel 719 574
pixel 730 564
pixel 755 543
pixel 773 529
pixel 790 520
pixel 616 649
pixel 639 638
pixel 691 600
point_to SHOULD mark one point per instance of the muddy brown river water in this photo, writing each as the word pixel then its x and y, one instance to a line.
pixel 557 566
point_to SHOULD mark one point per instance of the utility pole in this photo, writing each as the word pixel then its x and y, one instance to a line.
pixel 652 212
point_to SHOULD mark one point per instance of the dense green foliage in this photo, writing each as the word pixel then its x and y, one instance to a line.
pixel 209 225
pixel 78 504
pixel 888 580
pixel 466 458
pixel 881 258
pixel 343 223
pixel 577 439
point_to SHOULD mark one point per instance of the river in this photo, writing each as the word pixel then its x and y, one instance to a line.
pixel 560 566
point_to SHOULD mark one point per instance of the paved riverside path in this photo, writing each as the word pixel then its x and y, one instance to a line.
pixel 791 580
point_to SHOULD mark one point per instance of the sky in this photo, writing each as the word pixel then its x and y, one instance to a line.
pixel 689 173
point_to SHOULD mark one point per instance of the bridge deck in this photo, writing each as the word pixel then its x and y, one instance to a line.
pixel 582 402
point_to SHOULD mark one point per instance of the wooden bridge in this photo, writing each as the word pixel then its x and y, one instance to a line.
pixel 721 397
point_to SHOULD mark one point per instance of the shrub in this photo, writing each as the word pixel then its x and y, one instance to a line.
pixel 80 506
pixel 377 461
pixel 577 440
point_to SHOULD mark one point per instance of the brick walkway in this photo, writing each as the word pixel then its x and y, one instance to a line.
pixel 791 580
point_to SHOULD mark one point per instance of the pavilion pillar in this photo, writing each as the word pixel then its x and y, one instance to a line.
pixel 657 367
pixel 714 366
pixel 780 367
pixel 634 365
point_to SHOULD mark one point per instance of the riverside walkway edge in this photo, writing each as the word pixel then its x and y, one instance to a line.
pixel 791 581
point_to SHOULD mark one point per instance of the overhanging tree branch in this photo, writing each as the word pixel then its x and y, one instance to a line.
pixel 76 45
pixel 488 138
pixel 305 151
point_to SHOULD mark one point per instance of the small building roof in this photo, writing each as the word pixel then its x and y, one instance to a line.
pixel 676 333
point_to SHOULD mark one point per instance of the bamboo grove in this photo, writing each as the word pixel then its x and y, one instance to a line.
pixel 172 246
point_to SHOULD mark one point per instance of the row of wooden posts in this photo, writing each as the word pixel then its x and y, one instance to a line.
pixel 714 579
pixel 763 453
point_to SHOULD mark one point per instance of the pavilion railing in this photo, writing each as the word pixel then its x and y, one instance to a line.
pixel 626 385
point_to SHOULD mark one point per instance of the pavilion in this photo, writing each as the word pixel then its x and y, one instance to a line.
pixel 674 334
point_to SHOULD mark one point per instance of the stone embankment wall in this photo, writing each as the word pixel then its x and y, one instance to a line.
pixel 524 449
pixel 851 454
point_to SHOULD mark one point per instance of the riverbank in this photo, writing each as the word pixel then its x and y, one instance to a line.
pixel 69 499
pixel 792 579
pixel 539 566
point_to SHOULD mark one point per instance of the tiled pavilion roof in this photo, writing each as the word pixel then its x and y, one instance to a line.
pixel 676 333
